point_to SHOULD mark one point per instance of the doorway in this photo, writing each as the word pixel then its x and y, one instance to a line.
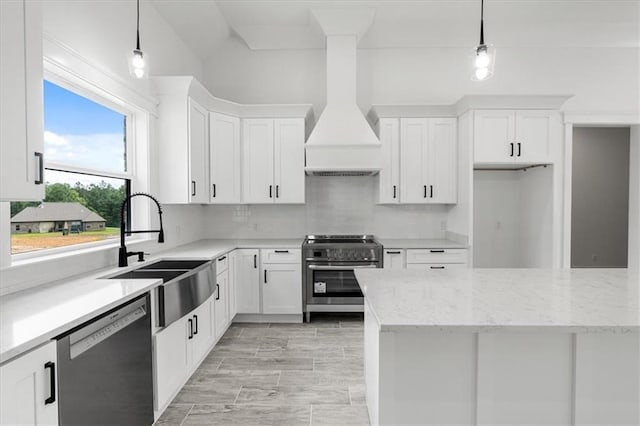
pixel 600 197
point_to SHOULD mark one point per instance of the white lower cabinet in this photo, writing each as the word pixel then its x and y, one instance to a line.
pixel 432 258
pixel 178 350
pixel 247 281
pixel 394 258
pixel 282 288
pixel 27 384
pixel 220 303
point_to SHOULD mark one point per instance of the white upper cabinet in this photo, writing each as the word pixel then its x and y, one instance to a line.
pixel 389 176
pixel 273 160
pixel 289 176
pixel 21 102
pixel 198 143
pixel 224 146
pixel 183 141
pixel 515 136
pixel 428 160
pixel 258 137
pixel 442 161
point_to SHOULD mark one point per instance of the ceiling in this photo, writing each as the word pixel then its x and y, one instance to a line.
pixel 290 24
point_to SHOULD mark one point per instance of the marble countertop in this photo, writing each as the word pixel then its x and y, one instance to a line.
pixel 420 243
pixel 483 300
pixel 32 317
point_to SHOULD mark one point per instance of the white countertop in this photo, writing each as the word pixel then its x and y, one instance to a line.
pixel 482 300
pixel 208 249
pixel 420 243
pixel 31 317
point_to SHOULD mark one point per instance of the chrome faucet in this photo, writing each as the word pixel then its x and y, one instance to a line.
pixel 123 254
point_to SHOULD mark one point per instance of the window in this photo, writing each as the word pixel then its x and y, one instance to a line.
pixel 87 173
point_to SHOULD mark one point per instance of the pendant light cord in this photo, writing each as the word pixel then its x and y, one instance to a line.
pixel 481 22
pixel 138 26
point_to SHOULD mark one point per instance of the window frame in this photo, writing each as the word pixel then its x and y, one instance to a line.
pixel 133 117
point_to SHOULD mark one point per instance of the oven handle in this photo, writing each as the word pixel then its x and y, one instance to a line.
pixel 341 268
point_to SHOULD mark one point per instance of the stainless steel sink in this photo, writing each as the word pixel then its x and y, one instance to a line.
pixel 139 273
pixel 175 264
pixel 186 285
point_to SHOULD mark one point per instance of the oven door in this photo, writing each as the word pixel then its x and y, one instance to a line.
pixel 334 283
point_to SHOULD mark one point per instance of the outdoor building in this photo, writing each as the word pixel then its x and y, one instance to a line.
pixel 50 217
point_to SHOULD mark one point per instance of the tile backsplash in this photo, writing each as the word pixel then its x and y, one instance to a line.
pixel 335 205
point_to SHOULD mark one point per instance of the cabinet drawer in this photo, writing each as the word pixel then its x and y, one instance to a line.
pixel 280 255
pixel 222 263
pixel 437 256
pixel 435 266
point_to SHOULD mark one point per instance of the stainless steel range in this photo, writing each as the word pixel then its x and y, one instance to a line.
pixel 329 261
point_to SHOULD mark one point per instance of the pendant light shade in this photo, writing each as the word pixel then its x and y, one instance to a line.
pixel 484 55
pixel 138 66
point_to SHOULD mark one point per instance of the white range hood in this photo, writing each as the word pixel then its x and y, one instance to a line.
pixel 342 142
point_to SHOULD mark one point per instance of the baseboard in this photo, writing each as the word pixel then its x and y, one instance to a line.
pixel 262 318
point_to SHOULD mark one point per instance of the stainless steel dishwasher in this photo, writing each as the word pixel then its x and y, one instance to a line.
pixel 105 372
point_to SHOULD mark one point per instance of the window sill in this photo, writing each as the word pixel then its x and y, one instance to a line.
pixel 25 259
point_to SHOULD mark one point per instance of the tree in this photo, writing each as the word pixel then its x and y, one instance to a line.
pixel 63 193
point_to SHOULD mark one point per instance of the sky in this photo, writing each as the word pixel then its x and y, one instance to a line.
pixel 80 132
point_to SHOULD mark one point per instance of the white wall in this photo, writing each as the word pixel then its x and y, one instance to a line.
pixel 104 32
pixel 601 79
pixel 335 205
pixel 512 218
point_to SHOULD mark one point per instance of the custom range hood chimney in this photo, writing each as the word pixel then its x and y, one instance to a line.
pixel 342 143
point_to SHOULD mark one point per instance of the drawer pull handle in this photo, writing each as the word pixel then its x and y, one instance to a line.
pixel 437 267
pixel 394 252
pixel 195 327
pixel 436 251
pixel 222 258
pixel 52 383
pixel 282 251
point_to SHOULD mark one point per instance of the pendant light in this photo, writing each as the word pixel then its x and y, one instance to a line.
pixel 484 55
pixel 137 66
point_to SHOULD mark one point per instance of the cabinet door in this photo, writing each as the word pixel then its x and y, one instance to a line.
pixel 233 298
pixel 224 146
pixel 220 304
pixel 198 142
pixel 21 102
pixel 394 259
pixel 413 157
pixel 25 385
pixel 389 176
pixel 247 281
pixel 202 333
pixel 282 289
pixel 289 160
pixel 172 360
pixel 257 136
pixel 442 164
pixel 534 136
pixel 494 134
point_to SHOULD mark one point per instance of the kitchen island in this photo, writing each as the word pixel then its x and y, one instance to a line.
pixel 502 346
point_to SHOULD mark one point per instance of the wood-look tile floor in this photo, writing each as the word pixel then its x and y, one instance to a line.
pixel 279 374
